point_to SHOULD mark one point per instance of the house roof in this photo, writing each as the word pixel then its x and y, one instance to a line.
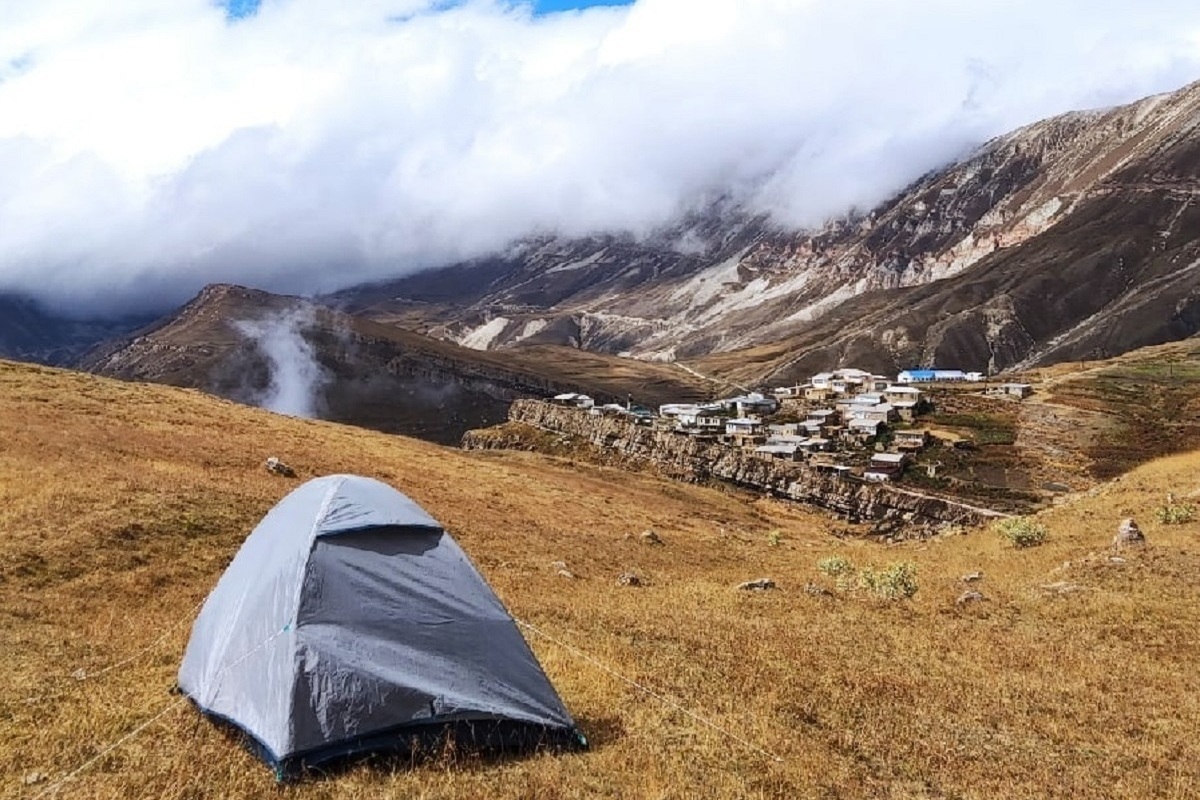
pixel 782 449
pixel 678 408
pixel 888 458
pixel 887 470
pixel 784 438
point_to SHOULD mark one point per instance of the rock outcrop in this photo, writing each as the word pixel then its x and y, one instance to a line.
pixel 1128 535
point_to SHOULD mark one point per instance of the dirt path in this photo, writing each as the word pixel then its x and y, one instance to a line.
pixel 714 381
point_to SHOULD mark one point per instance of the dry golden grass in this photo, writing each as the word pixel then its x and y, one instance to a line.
pixel 120 504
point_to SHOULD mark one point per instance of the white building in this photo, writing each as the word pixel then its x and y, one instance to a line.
pixel 573 399
pixel 743 426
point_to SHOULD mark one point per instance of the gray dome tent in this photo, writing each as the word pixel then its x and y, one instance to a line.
pixel 350 622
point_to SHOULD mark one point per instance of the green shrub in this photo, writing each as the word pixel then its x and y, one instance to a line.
pixel 840 569
pixel 835 566
pixel 774 538
pixel 895 582
pixel 1175 513
pixel 1021 531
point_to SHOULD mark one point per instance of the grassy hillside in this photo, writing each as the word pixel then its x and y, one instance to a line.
pixel 120 504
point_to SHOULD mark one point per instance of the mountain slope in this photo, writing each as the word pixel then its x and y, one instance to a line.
pixel 1067 235
pixel 29 332
pixel 363 372
pixel 126 501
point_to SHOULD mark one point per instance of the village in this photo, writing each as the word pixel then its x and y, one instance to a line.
pixel 847 422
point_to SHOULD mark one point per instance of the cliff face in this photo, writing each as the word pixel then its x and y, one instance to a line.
pixel 1033 249
pixel 689 459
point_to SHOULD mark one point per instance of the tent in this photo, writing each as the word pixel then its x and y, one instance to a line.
pixel 351 622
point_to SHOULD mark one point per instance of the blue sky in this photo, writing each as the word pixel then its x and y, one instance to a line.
pixel 550 6
pixel 245 8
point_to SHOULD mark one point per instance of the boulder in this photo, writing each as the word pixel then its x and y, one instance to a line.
pixel 970 596
pixel 650 537
pixel 628 579
pixel 277 467
pixel 1128 535
pixel 759 585
pixel 972 577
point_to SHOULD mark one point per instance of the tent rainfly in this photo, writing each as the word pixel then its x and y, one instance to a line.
pixel 351 622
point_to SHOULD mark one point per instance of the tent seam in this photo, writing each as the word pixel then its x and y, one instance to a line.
pixel 294 622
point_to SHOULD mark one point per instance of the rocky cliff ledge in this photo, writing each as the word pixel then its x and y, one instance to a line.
pixel 685 458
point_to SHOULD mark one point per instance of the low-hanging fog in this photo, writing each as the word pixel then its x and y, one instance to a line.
pixel 149 147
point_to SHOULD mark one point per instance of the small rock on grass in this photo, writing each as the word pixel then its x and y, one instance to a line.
pixel 758 585
pixel 1128 535
pixel 970 596
pixel 650 537
pixel 628 579
pixel 277 467
pixel 971 577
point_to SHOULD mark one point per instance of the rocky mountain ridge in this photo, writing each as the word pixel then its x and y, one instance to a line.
pixel 726 281
pixel 363 372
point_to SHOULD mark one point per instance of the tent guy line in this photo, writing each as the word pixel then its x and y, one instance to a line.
pixel 173 703
pixel 81 675
pixel 650 692
pixel 125 738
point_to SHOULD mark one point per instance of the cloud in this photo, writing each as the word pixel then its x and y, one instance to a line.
pixel 149 147
pixel 295 376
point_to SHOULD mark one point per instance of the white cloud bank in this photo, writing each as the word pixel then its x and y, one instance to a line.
pixel 148 147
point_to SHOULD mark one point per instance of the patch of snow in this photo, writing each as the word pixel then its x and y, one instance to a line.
pixel 705 285
pixel 580 264
pixel 822 306
pixel 532 328
pixel 481 338
pixel 1041 217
